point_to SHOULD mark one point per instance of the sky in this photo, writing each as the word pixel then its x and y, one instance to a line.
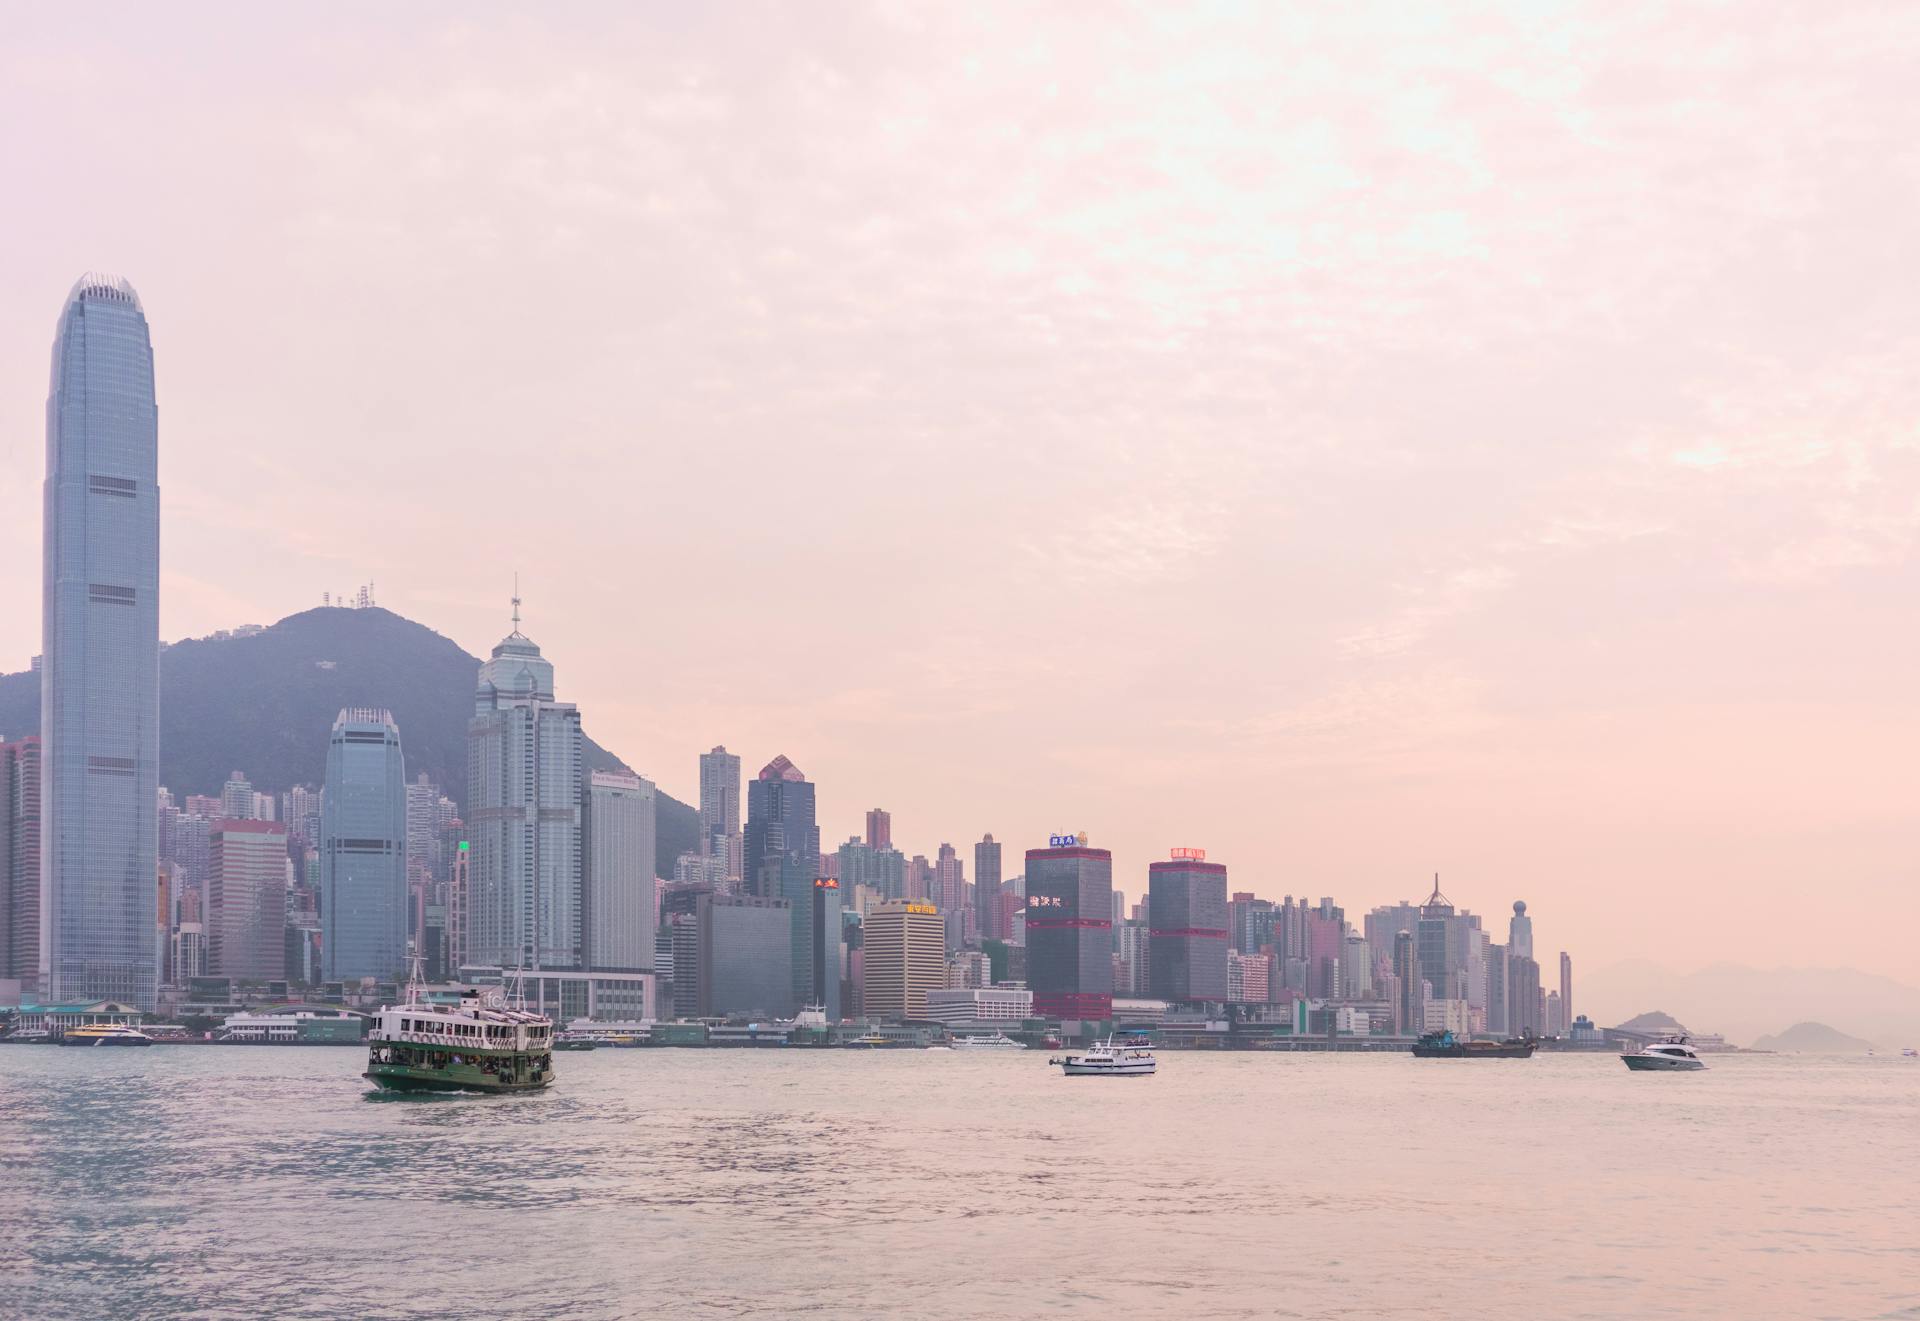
pixel 1363 441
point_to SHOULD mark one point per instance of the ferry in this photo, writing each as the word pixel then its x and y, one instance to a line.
pixel 481 1044
pixel 1109 1059
pixel 981 1041
pixel 105 1034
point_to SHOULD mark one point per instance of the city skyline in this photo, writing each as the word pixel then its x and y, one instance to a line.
pixel 1466 527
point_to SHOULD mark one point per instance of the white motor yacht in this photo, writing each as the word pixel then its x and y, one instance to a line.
pixel 1108 1059
pixel 983 1041
pixel 1671 1055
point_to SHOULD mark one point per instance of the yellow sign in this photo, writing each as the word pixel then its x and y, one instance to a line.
pixel 922 908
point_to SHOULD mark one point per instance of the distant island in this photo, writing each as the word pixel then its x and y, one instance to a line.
pixel 1814 1039
pixel 1654 1021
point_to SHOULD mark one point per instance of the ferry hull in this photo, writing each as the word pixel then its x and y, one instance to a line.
pixel 1072 1070
pixel 106 1041
pixel 453 1078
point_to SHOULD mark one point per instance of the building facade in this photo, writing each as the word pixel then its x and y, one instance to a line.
pixel 617 844
pixel 742 957
pixel 363 849
pixel 1069 929
pixel 986 889
pixel 100 668
pixel 720 807
pixel 783 856
pixel 20 861
pixel 1187 929
pixel 246 901
pixel 903 947
pixel 524 772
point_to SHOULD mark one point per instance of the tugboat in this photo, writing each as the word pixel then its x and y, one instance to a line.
pixel 1108 1059
pixel 481 1044
pixel 1446 1046
pixel 105 1034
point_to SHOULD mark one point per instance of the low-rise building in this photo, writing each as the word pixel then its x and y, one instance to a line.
pixel 979 1004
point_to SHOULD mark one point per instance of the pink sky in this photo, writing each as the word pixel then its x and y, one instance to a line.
pixel 1357 440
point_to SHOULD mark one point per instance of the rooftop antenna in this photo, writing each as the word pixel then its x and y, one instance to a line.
pixel 516 603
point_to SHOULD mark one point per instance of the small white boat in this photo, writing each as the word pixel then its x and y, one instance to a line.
pixel 1669 1056
pixel 982 1041
pixel 1909 1052
pixel 1108 1059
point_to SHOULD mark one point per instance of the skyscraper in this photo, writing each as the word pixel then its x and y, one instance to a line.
pixel 904 955
pixel 20 860
pixel 1187 922
pixel 617 843
pixel 823 940
pixel 100 673
pixel 524 765
pixel 783 855
pixel 1410 1009
pixel 986 888
pixel 949 880
pixel 1069 931
pixel 719 803
pixel 246 905
pixel 363 849
pixel 879 828
pixel 1520 932
pixel 1566 988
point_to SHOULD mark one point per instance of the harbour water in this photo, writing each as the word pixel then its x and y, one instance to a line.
pixel 267 1182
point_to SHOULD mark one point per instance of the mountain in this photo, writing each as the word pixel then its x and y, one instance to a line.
pixel 1655 1021
pixel 264 704
pixel 1814 1039
pixel 1745 1002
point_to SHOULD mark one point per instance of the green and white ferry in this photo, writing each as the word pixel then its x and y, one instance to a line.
pixel 480 1044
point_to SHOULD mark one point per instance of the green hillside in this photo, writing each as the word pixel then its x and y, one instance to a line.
pixel 264 705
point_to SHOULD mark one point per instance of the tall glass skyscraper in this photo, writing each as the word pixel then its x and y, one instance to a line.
pixel 100 681
pixel 525 760
pixel 363 849
pixel 783 856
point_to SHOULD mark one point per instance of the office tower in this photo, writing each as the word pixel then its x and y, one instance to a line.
pixel 246 901
pixel 237 798
pixel 1556 1027
pixel 617 834
pixel 1187 923
pixel 693 868
pixel 363 849
pixel 782 841
pixel 524 760
pixel 986 888
pixel 879 828
pixel 458 902
pixel 720 805
pixel 423 831
pixel 1566 988
pixel 1499 1021
pixel 881 870
pixel 1432 940
pixel 783 855
pixel 1524 1010
pixel 100 668
pixel 1520 932
pixel 919 879
pixel 1250 923
pixel 823 941
pixel 949 880
pixel 903 950
pixel 1356 969
pixel 1069 932
pixel 20 773
pixel 741 957
pixel 1410 1011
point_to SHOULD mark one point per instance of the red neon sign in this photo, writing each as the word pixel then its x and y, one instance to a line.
pixel 1190 855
